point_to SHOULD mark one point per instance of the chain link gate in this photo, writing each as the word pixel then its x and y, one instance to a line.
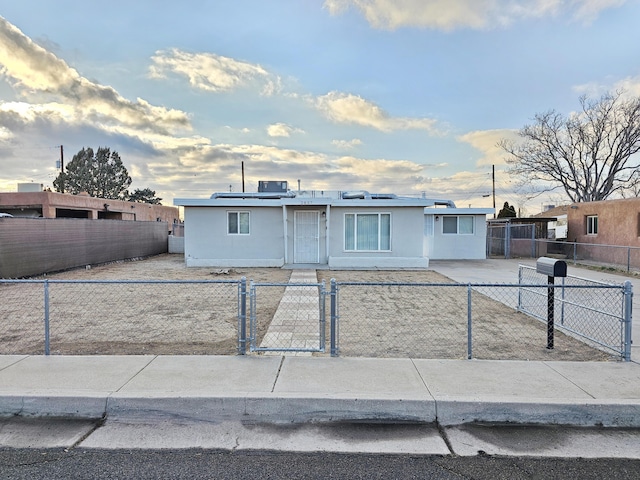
pixel 298 325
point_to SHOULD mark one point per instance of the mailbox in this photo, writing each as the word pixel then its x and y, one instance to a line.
pixel 551 267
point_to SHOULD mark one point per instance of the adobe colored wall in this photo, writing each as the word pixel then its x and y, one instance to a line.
pixel 618 222
pixel 48 202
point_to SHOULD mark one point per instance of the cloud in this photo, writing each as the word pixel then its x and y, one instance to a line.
pixel 213 73
pixel 204 169
pixel 486 141
pixel 475 14
pixel 352 109
pixel 42 78
pixel 347 144
pixel 630 86
pixel 282 130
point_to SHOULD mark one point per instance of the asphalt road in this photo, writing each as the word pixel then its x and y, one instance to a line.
pixel 34 464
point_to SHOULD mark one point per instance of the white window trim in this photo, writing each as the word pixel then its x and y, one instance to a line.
pixel 473 227
pixel 590 224
pixel 355 231
pixel 238 212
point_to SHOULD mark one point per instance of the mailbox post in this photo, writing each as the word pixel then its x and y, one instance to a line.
pixel 552 268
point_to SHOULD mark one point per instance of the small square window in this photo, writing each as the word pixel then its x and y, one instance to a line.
pixel 238 223
pixel 454 225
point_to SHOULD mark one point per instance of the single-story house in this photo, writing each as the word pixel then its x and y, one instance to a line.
pixel 44 204
pixel 455 233
pixel 320 228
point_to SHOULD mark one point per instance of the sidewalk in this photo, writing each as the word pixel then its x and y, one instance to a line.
pixel 287 389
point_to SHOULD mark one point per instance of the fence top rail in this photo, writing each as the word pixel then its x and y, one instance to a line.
pixel 228 282
pixel 599 282
pixel 602 286
pixel 286 284
pixel 550 240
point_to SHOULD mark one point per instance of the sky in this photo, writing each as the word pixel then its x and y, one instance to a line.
pixel 389 96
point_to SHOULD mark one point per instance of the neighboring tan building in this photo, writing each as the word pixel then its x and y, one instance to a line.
pixel 608 222
pixel 63 205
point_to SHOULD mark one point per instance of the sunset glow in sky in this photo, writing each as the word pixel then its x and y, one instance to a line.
pixel 397 96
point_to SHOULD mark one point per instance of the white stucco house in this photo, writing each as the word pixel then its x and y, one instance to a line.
pixel 334 230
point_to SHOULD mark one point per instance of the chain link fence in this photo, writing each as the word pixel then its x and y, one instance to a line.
pixel 419 320
pixel 118 317
pixel 525 241
pixel 597 313
pixel 456 321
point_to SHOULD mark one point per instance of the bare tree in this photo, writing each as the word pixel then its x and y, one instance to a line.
pixel 588 154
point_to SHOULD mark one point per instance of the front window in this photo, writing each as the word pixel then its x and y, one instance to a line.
pixel 592 225
pixel 454 225
pixel 367 231
pixel 238 223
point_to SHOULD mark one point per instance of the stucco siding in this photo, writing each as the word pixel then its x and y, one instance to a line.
pixel 442 246
pixel 618 222
pixel 208 243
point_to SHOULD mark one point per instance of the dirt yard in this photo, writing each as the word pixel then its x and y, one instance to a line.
pixel 201 317
pixel 431 322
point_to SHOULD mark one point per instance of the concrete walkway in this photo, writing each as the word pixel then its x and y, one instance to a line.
pixel 295 325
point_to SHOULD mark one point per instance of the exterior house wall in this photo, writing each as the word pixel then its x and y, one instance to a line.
pixel 302 230
pixel 406 239
pixel 207 243
pixel 618 222
pixel 441 246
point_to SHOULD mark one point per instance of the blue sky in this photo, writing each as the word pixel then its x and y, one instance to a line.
pixel 401 96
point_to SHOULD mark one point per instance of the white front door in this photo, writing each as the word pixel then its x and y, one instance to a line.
pixel 306 245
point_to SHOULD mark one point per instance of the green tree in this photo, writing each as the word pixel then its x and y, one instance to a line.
pixel 590 153
pixel 101 174
pixel 146 195
pixel 507 211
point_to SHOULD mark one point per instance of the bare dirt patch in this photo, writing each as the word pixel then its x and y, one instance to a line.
pixel 431 322
pixel 137 310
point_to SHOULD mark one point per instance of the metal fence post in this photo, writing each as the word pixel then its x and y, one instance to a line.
pixel 242 327
pixel 47 337
pixel 533 241
pixel 323 319
pixel 575 252
pixel 519 288
pixel 469 325
pixel 334 318
pixel 628 259
pixel 628 307
pixel 507 241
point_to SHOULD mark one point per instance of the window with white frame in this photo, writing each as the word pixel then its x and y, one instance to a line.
pixel 457 225
pixel 238 223
pixel 592 225
pixel 367 231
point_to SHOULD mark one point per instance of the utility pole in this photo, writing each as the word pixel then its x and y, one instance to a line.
pixel 62 168
pixel 493 181
pixel 243 177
